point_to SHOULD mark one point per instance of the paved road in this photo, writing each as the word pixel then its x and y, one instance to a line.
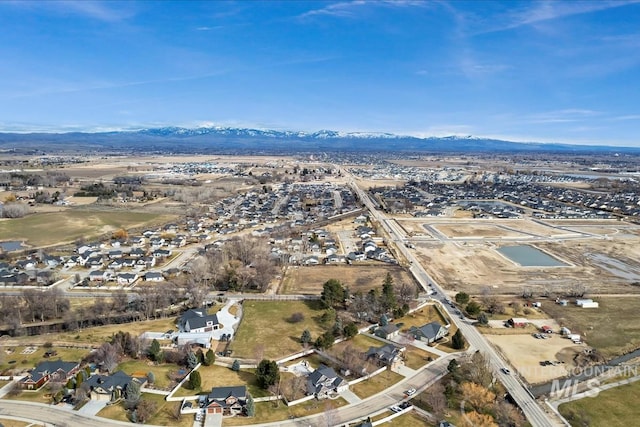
pixel 53 416
pixel 534 413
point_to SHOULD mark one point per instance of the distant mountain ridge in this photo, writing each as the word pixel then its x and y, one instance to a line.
pixel 229 140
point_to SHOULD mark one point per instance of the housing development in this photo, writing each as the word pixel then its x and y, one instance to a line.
pixel 342 289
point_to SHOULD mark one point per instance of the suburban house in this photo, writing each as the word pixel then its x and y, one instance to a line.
pixel 197 321
pixel 49 370
pixel 386 355
pixel 429 333
pixel 126 278
pixel 387 332
pixel 99 275
pixel 108 388
pixel 227 401
pixel 153 276
pixel 324 382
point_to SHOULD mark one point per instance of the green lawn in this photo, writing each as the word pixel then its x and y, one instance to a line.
pixel 161 372
pixel 376 384
pixel 416 358
pixel 44 229
pixel 219 376
pixel 267 412
pixel 616 407
pixel 359 343
pixel 163 415
pixel 265 328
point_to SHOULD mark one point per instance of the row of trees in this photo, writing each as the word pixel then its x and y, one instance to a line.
pixel 470 386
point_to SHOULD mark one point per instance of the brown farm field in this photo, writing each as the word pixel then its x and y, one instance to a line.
pixel 309 280
pixel 613 328
pixel 53 228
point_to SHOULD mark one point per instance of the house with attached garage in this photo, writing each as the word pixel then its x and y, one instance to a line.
pixel 126 278
pixel 109 388
pixel 429 333
pixel 386 355
pixel 325 382
pixel 198 321
pixel 49 370
pixel 387 332
pixel 227 401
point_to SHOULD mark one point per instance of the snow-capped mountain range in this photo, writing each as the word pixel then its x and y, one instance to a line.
pixel 217 139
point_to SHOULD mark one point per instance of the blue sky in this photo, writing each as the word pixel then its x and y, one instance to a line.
pixel 564 71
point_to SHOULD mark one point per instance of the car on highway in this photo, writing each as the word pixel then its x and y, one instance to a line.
pixel 410 392
pixel 405 405
pixel 395 409
pixel 505 371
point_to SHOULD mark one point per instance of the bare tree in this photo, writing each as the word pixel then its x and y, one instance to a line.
pixel 108 356
pixel 436 400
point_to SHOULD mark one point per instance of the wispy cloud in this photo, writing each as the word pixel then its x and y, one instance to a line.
pixel 99 10
pixel 569 115
pixel 348 9
pixel 626 117
pixel 543 11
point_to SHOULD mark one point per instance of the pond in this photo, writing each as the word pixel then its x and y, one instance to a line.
pixel 12 245
pixel 528 256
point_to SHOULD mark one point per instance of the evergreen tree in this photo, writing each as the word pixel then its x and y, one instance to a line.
pixel 235 366
pixel 132 394
pixel 155 352
pixel 192 360
pixel 388 297
pixel 457 342
pixel 209 358
pixel 267 373
pixel 250 407
pixel 306 337
pixel 332 293
pixel 195 380
pixel 350 330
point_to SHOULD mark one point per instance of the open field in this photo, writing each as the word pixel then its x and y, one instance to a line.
pixel 613 328
pixel 616 407
pixel 309 280
pixel 376 384
pixel 63 227
pixel 99 334
pixel 359 342
pixel 267 412
pixel 473 267
pixel 220 376
pixel 478 230
pixel 265 328
pixel 525 353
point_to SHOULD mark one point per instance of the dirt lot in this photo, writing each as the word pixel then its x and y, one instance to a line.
pixel 309 280
pixel 470 267
pixel 526 352
pixel 475 230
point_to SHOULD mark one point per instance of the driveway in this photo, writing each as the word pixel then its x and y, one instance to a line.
pixel 212 420
pixel 92 407
pixel 350 397
pixel 228 321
